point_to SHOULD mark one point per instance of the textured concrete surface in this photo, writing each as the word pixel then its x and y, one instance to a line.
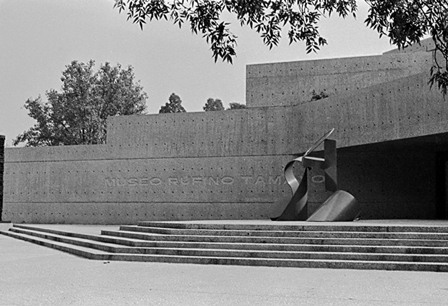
pixel 399 109
pixel 96 229
pixel 425 45
pixel 34 275
pixel 291 83
pixel 126 191
pixel 247 132
pixel 229 164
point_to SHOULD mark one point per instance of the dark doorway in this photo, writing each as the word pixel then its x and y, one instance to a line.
pixel 442 185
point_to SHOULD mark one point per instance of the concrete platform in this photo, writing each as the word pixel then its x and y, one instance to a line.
pixel 35 275
pixel 96 229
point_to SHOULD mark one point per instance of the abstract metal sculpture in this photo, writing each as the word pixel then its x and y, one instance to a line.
pixel 340 206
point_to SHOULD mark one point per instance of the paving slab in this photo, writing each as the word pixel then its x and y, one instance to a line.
pixel 35 275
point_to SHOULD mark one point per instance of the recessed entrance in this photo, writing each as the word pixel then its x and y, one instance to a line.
pixel 442 185
pixel 401 179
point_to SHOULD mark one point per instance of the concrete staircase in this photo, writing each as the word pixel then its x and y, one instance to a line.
pixel 347 246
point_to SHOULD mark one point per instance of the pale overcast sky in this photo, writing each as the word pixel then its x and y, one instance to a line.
pixel 38 38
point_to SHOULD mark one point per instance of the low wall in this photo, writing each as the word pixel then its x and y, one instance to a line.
pixel 246 132
pixel 117 191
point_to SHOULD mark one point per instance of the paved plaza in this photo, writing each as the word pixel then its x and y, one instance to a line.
pixel 35 275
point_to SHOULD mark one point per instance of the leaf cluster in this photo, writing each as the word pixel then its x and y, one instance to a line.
pixel 217 105
pixel 174 105
pixel 77 114
pixel 213 105
pixel 235 105
pixel 266 17
pixel 406 22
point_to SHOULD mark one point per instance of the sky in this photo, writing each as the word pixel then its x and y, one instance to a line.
pixel 39 38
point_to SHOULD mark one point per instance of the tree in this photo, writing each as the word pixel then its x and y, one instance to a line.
pixel 77 114
pixel 234 105
pixel 405 22
pixel 213 105
pixel 173 106
pixel 266 17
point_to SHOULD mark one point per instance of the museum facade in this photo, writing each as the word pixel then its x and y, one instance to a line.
pixel 391 130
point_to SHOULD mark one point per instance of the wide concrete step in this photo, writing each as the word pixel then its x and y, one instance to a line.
pixel 86 241
pixel 276 262
pixel 110 248
pixel 101 238
pixel 277 240
pixel 279 226
pixel 235 245
pixel 277 233
pixel 64 247
pixel 292 246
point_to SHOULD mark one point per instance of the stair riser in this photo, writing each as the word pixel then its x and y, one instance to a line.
pixel 227 253
pixel 106 239
pixel 379 242
pixel 286 263
pixel 319 237
pixel 297 247
pixel 49 244
pixel 303 227
pixel 227 246
pixel 295 256
pixel 251 262
pixel 69 240
pixel 293 234
pixel 51 231
pixel 231 239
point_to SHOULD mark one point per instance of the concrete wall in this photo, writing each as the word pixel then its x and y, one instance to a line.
pixel 246 132
pixel 292 83
pixel 128 190
pixel 229 164
pixel 206 166
pixel 399 109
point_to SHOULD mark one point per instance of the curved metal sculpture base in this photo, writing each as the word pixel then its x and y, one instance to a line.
pixel 294 209
pixel 340 206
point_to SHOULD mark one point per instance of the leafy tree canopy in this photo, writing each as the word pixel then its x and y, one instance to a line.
pixel 77 114
pixel 213 105
pixel 234 105
pixel 267 17
pixel 174 105
pixel 405 22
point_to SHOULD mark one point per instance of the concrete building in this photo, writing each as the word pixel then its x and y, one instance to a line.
pixel 391 130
